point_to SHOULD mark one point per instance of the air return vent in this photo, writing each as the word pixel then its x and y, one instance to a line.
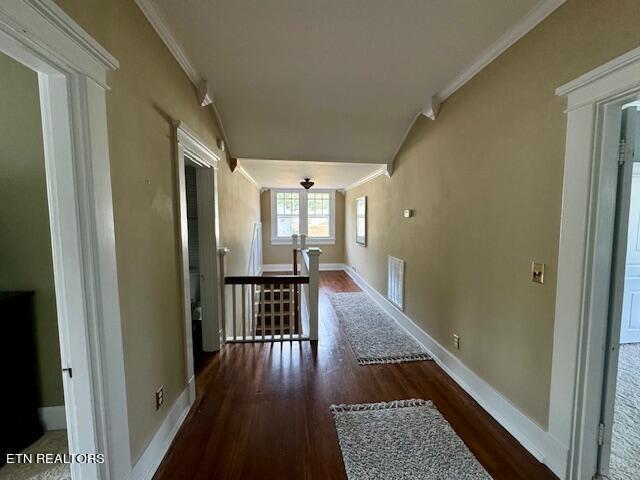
pixel 395 281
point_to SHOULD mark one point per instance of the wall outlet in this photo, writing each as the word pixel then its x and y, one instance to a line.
pixel 159 397
pixel 456 341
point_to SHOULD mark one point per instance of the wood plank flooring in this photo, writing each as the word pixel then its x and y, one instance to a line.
pixel 262 410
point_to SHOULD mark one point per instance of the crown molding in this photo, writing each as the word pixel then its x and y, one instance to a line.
pixel 162 29
pixel 159 24
pixel 367 178
pixel 536 15
pixel 519 30
pixel 241 169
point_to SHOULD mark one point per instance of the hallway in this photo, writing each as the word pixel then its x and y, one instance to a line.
pixel 263 409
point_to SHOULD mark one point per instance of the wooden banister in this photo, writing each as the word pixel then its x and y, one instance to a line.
pixel 267 280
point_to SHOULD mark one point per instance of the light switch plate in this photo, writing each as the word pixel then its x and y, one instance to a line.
pixel 537 272
pixel 456 341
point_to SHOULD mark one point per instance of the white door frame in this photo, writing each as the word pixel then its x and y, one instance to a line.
pixel 192 151
pixel 72 69
pixel 584 262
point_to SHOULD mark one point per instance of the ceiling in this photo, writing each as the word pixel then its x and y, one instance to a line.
pixel 334 80
pixel 289 173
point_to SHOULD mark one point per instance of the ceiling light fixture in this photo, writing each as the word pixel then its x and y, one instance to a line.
pixel 307 184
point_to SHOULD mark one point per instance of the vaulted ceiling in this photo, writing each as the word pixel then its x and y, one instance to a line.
pixel 334 80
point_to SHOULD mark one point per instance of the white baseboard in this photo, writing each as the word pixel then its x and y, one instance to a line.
pixel 53 418
pixel 286 267
pixel 534 438
pixel 149 461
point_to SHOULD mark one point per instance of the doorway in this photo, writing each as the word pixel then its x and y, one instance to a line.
pixel 619 441
pixel 196 173
pixel 71 70
pixel 33 417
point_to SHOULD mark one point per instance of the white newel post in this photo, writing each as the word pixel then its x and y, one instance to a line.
pixel 294 240
pixel 314 285
pixel 303 241
pixel 222 252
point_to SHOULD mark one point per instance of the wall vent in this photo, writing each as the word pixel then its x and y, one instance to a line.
pixel 395 281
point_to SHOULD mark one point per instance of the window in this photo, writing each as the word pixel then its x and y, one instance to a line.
pixel 288 214
pixel 300 211
pixel 319 215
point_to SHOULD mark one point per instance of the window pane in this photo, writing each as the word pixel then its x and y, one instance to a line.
pixel 319 227
pixel 280 203
pixel 287 226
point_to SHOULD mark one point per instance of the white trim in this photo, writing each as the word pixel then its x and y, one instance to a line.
pixel 75 32
pixel 53 418
pixel 366 178
pixel 530 435
pixel 159 24
pixel 72 70
pixel 287 267
pixel 45 28
pixel 314 241
pixel 598 73
pixel 197 150
pixel 536 15
pixel 246 174
pixel 194 152
pixel 585 255
pixel 150 460
pixel 389 166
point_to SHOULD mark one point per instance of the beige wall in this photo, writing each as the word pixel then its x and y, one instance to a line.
pixel 25 239
pixel 147 92
pixel 278 254
pixel 485 181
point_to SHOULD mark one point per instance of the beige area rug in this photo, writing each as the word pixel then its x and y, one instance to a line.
pixel 402 440
pixel 625 443
pixel 54 441
pixel 374 336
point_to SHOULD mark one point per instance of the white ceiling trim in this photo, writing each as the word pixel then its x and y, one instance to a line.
pixel 161 28
pixel 531 20
pixel 367 178
pixel 164 32
pixel 528 23
pixel 246 174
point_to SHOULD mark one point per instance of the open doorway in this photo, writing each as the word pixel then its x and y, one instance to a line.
pixel 197 186
pixel 191 191
pixel 65 368
pixel 620 416
pixel 33 416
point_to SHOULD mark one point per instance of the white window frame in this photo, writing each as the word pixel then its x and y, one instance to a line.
pixel 330 240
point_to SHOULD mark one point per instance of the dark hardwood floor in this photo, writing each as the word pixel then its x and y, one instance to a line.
pixel 262 410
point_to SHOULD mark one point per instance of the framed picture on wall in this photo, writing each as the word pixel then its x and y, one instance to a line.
pixel 361 221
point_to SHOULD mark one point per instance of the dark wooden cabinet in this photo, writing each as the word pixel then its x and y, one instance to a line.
pixel 19 422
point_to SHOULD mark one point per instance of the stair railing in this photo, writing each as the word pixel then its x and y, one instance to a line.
pixel 262 308
pixel 272 308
